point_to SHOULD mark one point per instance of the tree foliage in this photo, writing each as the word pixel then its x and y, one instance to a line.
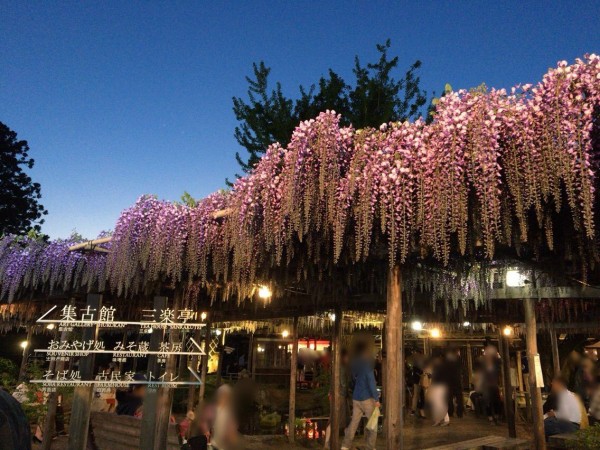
pixel 375 97
pixel 20 209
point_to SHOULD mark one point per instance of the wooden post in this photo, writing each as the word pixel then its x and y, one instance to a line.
pixel 221 355
pixel 148 429
pixel 191 400
pixel 204 363
pixel 293 364
pixel 254 357
pixel 520 371
pixel 509 410
pixel 336 394
pixel 555 354
pixel 50 422
pixel 26 352
pixel 394 361
pixel 249 359
pixel 470 364
pixel 536 394
pixel 165 395
pixel 82 395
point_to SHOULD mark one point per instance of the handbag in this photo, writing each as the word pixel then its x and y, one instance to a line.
pixel 373 421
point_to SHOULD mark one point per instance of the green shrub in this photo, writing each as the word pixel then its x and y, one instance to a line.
pixel 587 439
pixel 8 374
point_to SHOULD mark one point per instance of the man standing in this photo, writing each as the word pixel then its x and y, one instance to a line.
pixel 563 410
pixel 365 397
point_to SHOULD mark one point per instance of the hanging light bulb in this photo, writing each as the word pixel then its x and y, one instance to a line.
pixel 50 326
pixel 203 316
pixel 416 325
pixel 285 333
pixel 514 278
pixel 507 331
pixel 435 333
pixel 264 292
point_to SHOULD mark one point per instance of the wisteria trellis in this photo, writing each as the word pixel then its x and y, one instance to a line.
pixel 335 195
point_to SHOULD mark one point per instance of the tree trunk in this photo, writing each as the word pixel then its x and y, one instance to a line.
pixel 394 361
pixel 163 413
pixel 149 421
pixel 336 394
pixel 470 364
pixel 536 394
pixel 205 362
pixel 293 365
pixel 191 400
pixel 50 423
pixel 509 409
pixel 82 395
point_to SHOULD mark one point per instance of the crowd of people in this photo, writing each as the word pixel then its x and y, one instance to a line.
pixel 574 399
pixel 437 389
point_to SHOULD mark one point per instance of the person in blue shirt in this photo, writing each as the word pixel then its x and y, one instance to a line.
pixel 365 397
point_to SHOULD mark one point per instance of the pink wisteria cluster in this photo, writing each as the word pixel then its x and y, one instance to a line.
pixel 490 161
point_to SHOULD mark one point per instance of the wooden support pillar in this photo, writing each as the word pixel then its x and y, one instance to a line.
pixel 509 409
pixel 470 364
pixel 394 393
pixel 26 352
pixel 82 395
pixel 204 362
pixel 165 395
pixel 336 394
pixel 221 356
pixel 249 359
pixel 293 367
pixel 193 363
pixel 254 357
pixel 532 355
pixel 520 371
pixel 148 431
pixel 50 422
pixel 555 354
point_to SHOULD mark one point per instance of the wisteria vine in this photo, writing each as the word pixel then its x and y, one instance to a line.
pixel 335 196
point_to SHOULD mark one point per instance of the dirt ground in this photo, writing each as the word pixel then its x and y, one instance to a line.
pixel 418 434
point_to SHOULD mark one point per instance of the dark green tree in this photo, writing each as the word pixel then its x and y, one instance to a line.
pixel 20 210
pixel 376 97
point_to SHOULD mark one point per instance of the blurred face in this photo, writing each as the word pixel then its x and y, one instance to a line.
pixel 139 391
pixel 490 351
pixel 557 387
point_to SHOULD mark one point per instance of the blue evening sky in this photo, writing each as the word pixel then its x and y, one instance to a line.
pixel 119 99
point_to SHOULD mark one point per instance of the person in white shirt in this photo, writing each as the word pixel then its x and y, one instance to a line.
pixel 563 410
